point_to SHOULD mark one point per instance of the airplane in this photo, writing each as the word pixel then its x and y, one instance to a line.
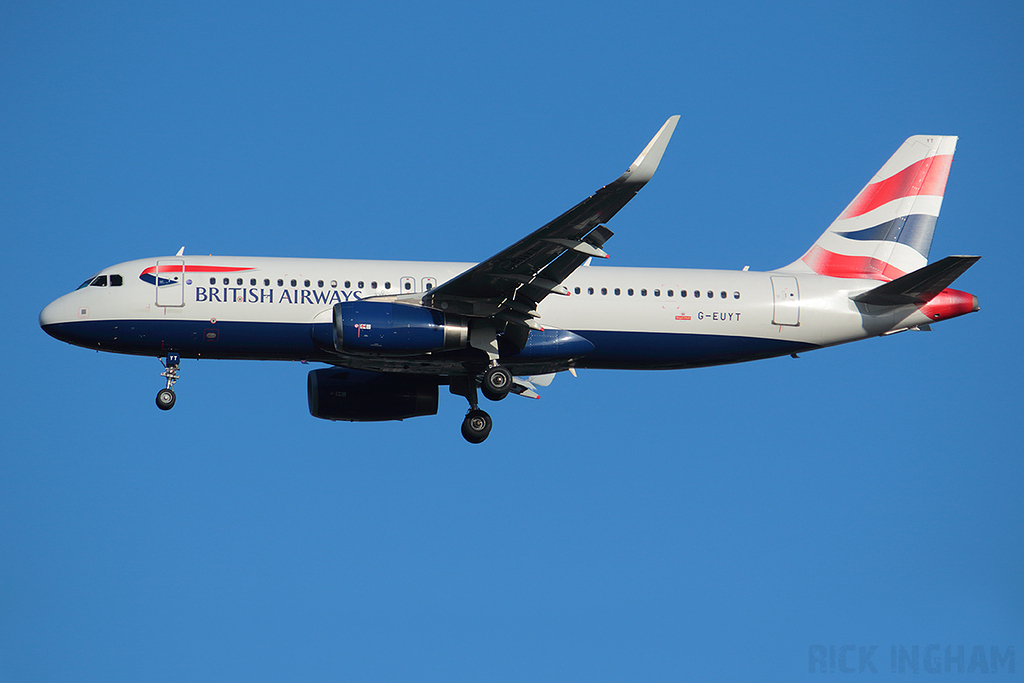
pixel 392 332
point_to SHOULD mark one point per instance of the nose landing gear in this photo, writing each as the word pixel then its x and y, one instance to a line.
pixel 165 397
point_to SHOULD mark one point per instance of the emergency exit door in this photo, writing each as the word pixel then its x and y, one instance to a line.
pixel 170 282
pixel 787 300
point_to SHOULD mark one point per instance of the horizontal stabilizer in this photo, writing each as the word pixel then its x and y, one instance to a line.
pixel 920 285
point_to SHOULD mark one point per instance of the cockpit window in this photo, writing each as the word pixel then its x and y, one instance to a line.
pixel 101 281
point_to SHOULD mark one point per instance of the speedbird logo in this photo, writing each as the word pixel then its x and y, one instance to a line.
pixel 161 277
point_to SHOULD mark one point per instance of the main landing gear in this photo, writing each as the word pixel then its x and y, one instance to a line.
pixel 476 426
pixel 165 397
pixel 495 384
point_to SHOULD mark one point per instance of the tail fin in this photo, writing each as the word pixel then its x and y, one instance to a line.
pixel 887 229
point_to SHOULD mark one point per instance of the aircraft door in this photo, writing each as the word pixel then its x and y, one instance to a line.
pixel 407 285
pixel 170 282
pixel 787 300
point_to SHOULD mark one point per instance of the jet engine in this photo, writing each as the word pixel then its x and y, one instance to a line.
pixel 360 396
pixel 380 327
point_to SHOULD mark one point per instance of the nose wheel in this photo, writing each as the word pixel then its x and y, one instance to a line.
pixel 165 398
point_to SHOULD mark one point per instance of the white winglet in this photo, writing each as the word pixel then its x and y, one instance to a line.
pixel 646 164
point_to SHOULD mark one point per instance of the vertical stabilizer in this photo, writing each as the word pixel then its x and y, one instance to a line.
pixel 887 229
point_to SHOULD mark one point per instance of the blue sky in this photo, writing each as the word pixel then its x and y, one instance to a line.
pixel 710 524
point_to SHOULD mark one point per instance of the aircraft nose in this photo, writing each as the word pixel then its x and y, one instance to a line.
pixel 52 314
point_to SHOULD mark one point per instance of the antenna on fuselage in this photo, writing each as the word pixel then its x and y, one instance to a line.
pixel 180 251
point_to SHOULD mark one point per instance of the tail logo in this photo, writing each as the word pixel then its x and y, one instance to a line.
pixel 886 231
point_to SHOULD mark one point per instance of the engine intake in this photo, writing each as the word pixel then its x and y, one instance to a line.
pixel 360 396
pixel 381 327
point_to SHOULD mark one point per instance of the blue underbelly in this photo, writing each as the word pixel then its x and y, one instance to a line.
pixel 654 350
pixel 292 341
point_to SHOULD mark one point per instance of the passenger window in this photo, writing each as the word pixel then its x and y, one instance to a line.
pixel 348 284
pixel 252 282
pixel 629 291
pixel 682 293
pixel 320 283
pixel 100 281
pixel 643 292
pixel 238 281
pixel 373 285
pixel 669 293
pixel 618 291
pixel 657 292
pixel 711 295
pixel 387 285
pixel 359 285
pixel 334 284
pixel 266 282
pixel 280 282
pixel 590 290
pixel 696 293
pixel 724 295
pixel 305 283
pixel 213 280
pixel 735 295
pixel 408 286
pixel 227 281
pixel 577 290
pixel 604 291
pixel 295 283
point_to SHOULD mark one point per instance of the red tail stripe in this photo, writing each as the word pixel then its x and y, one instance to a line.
pixel 824 262
pixel 936 172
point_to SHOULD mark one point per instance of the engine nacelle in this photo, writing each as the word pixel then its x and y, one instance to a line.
pixel 360 396
pixel 382 327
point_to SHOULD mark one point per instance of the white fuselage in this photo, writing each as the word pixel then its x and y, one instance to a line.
pixel 267 308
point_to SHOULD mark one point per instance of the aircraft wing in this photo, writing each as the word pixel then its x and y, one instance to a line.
pixel 509 285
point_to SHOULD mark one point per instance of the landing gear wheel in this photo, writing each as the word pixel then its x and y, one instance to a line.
pixel 165 399
pixel 497 382
pixel 476 426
